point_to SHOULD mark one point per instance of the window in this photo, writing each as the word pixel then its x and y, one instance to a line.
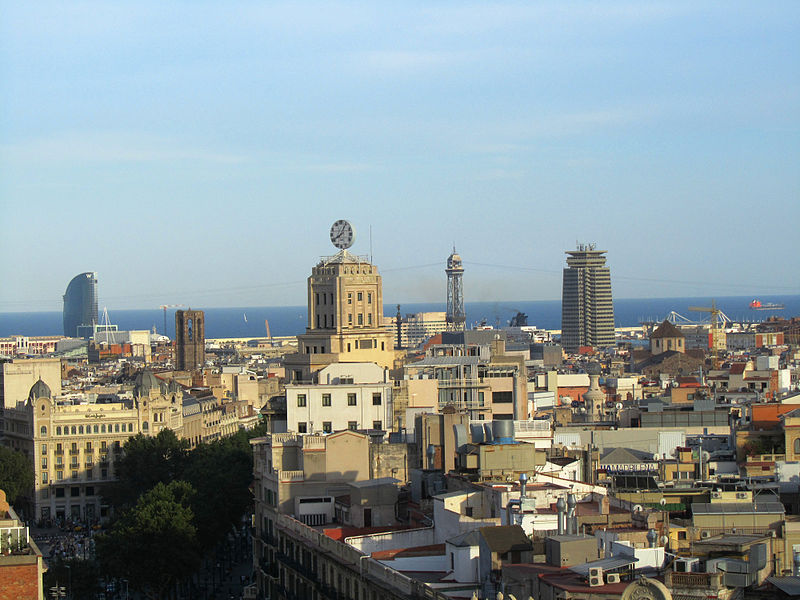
pixel 360 318
pixel 88 446
pixel 58 430
pixel 349 319
pixel 116 427
pixel 96 429
pixel 145 427
pixel 369 318
pixel 352 425
pixel 103 428
pixel 80 429
pixel 797 446
pixel 44 477
pixel 351 400
pixel 89 490
pixel 369 297
pixel 59 475
pixel 377 425
pixel 301 400
pixel 326 399
pixel 502 397
pixel 376 399
pixel 44 462
pixel 302 428
pixel 75 492
pixel 681 535
pixel 74 430
pixel 349 297
pixel 44 448
pixel 43 431
pixel 360 296
pixel 326 427
pixel 59 492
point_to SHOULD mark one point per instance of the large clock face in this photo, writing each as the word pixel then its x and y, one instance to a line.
pixel 342 234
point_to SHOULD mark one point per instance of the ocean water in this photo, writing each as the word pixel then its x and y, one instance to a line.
pixel 291 320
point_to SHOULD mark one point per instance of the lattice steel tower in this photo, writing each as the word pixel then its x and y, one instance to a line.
pixel 456 318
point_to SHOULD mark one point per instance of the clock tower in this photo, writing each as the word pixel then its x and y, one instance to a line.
pixel 345 313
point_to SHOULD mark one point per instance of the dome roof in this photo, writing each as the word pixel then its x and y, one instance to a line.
pixel 39 390
pixel 144 383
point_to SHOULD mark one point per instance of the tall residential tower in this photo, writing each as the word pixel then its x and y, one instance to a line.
pixel 456 317
pixel 587 312
pixel 80 304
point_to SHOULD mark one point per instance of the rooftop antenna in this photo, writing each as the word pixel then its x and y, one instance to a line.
pixel 370 244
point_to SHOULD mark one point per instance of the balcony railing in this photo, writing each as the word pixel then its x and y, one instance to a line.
pixel 74 452
pixel 694 580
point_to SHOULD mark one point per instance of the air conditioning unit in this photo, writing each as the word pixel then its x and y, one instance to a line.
pixel 716 495
pixel 741 495
pixel 705 534
pixel 612 578
pixel 595 576
pixel 595 581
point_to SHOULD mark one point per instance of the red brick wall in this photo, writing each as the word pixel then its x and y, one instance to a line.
pixel 19 582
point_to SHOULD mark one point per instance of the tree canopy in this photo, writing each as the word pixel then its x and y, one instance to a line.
pixel 154 544
pixel 16 474
pixel 147 461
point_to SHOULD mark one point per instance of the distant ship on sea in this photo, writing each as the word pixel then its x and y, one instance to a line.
pixel 758 305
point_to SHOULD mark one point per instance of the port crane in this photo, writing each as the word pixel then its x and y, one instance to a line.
pixel 164 307
pixel 717 332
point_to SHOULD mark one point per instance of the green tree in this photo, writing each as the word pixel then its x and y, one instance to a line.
pixel 154 544
pixel 145 462
pixel 221 473
pixel 16 474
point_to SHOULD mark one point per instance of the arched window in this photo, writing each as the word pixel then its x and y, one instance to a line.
pixel 43 431
pixel 103 428
pixel 74 430
pixel 58 430
pixel 80 429
pixel 144 426
pixel 797 446
pixel 96 429
pixel 116 428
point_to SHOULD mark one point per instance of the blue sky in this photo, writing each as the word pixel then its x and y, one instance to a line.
pixel 198 152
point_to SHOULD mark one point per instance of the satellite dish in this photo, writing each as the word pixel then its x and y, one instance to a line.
pixel 663 502
pixel 619 405
pixel 674 384
pixel 706 456
pixel 637 508
pixel 656 456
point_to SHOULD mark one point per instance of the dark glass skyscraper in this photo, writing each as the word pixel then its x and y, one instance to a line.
pixel 587 311
pixel 80 303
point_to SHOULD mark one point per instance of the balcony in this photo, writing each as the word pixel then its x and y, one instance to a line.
pixel 74 452
pixel 707 581
pixel 59 452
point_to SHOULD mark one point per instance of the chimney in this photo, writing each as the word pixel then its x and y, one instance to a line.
pixel 603 506
pixel 561 507
pixel 523 480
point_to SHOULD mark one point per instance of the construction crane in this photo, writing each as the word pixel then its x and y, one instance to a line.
pixel 718 320
pixel 164 307
pixel 269 335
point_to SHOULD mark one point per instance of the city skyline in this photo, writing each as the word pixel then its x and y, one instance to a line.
pixel 199 156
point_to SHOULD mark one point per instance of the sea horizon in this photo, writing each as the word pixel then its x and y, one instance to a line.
pixel 249 321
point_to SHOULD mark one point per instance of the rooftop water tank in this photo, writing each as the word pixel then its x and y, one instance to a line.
pixel 503 431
